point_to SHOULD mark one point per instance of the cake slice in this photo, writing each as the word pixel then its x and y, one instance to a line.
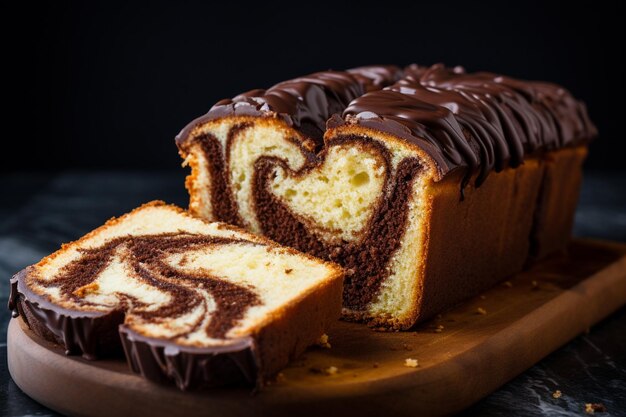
pixel 193 302
pixel 427 190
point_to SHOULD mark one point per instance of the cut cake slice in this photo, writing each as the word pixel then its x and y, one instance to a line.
pixel 194 302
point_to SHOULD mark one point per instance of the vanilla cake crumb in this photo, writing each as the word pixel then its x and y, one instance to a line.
pixel 411 363
pixel 557 394
pixel 481 310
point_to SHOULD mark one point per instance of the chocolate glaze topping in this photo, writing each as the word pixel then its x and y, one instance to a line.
pixel 375 77
pixel 304 103
pixel 480 121
pixel 95 333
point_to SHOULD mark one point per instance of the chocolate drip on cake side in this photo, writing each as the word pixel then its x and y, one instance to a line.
pixel 480 122
pixel 366 261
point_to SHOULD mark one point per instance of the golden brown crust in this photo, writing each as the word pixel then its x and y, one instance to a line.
pixel 471 244
pixel 111 222
pixel 557 201
pixel 191 182
pixel 474 243
pixel 299 325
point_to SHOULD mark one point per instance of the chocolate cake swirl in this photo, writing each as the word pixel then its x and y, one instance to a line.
pixel 178 300
pixel 401 151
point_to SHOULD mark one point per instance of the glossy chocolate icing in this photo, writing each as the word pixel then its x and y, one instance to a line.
pixel 304 103
pixel 480 121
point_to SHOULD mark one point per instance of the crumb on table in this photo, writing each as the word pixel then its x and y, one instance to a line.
pixel 411 363
pixel 592 408
pixel 481 310
pixel 508 284
pixel 557 394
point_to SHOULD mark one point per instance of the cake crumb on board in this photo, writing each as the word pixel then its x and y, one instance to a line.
pixel 331 370
pixel 323 342
pixel 481 310
pixel 411 363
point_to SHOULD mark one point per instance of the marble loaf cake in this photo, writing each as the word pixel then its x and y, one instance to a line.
pixel 190 302
pixel 427 184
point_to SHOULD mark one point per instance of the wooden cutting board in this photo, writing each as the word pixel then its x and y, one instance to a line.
pixel 463 355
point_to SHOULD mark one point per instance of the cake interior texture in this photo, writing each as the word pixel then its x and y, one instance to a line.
pixel 183 288
pixel 428 185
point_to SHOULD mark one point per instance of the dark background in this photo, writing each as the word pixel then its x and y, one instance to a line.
pixel 109 85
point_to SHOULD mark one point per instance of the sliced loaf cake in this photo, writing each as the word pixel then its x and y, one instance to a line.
pixel 427 189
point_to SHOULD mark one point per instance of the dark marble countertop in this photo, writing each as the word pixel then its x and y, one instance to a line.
pixel 40 211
